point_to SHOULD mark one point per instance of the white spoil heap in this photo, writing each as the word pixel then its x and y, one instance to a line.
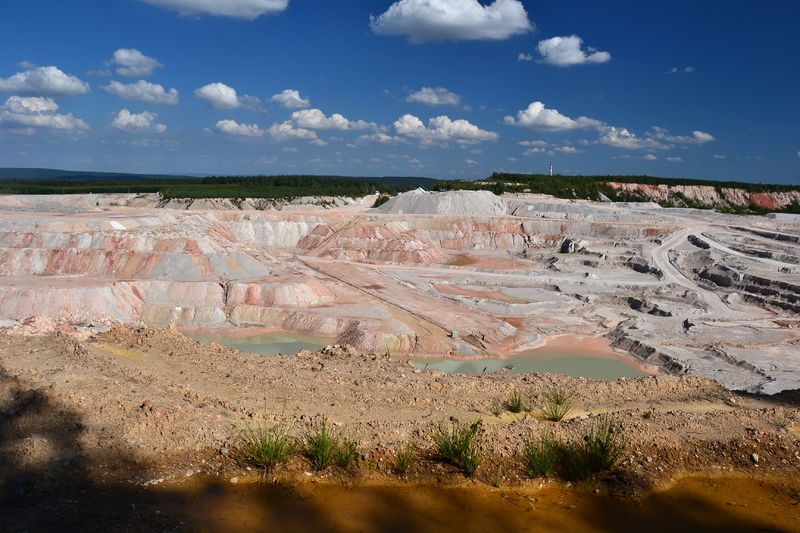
pixel 421 202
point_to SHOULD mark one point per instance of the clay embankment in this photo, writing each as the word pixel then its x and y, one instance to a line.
pixel 712 197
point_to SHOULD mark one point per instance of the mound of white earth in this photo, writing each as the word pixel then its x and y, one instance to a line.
pixel 421 202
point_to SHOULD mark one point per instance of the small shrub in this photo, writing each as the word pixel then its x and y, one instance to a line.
pixel 345 452
pixel 515 403
pixel 497 475
pixel 459 447
pixel 600 450
pixel 404 458
pixel 540 456
pixel 558 404
pixel 263 447
pixel 324 447
pixel 647 415
pixel 380 200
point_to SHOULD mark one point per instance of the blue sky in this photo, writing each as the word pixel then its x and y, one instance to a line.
pixel 443 88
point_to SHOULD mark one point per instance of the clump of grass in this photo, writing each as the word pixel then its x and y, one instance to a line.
pixel 497 475
pixel 647 415
pixel 345 452
pixel 264 447
pixel 460 447
pixel 540 455
pixel 515 403
pixel 404 458
pixel 557 403
pixel 324 447
pixel 600 450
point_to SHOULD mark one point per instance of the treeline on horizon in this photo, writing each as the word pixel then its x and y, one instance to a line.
pixel 272 187
pixel 294 186
pixel 597 187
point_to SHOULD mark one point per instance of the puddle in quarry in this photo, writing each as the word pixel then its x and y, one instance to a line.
pixel 259 342
pixel 587 357
pixel 691 504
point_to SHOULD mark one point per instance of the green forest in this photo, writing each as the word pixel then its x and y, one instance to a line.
pixel 220 186
pixel 43 181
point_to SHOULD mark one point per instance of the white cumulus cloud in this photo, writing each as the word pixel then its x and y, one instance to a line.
pixel 697 137
pixel 381 138
pixel 624 138
pixel 544 147
pixel 437 20
pixel 442 129
pixel 291 99
pixel 655 139
pixel 221 96
pixel 567 51
pixel 143 122
pixel 43 81
pixel 675 159
pixel 286 131
pixel 315 119
pixel 434 96
pixel 702 137
pixel 231 127
pixel 131 63
pixel 524 57
pixel 245 9
pixel 538 116
pixel 38 112
pixel 143 91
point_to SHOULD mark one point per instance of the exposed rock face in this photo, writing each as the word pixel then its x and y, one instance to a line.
pixel 713 197
pixel 361 240
pixel 640 264
pixel 307 293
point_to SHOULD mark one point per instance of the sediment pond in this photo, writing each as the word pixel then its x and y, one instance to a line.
pixel 588 357
pixel 572 356
pixel 265 343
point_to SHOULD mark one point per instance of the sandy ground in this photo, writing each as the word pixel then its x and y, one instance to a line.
pixel 160 400
pixel 149 417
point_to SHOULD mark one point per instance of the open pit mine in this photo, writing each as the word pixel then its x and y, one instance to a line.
pixel 463 274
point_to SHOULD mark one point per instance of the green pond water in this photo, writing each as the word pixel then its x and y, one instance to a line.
pixel 539 361
pixel 266 343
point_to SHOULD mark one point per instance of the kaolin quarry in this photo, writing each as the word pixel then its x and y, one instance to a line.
pixel 464 273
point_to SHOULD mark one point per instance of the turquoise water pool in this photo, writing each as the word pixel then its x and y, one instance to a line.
pixel 273 343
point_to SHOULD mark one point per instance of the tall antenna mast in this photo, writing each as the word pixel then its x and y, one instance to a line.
pixel 550 171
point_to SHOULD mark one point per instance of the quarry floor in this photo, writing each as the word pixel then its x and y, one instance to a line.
pixel 145 410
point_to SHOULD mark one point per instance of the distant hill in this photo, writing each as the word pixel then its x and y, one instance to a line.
pixel 42 174
pixel 53 181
